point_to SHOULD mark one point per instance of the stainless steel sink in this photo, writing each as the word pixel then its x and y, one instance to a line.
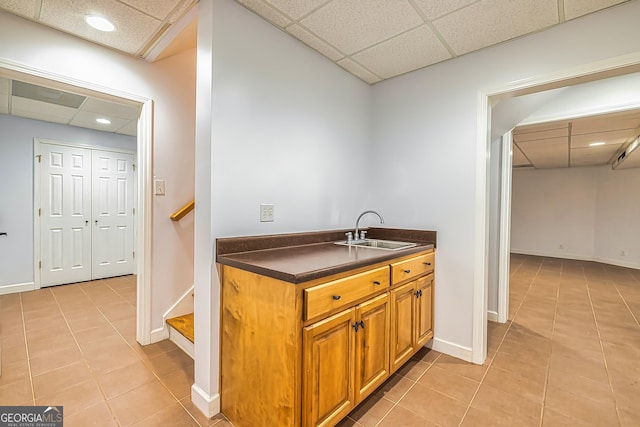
pixel 388 245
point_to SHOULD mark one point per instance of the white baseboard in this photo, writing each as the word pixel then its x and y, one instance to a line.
pixel 492 316
pixel 208 405
pixel 178 339
pixel 15 288
pixel 159 335
pixel 452 349
pixel 618 263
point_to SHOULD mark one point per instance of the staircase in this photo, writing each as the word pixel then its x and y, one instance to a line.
pixel 181 332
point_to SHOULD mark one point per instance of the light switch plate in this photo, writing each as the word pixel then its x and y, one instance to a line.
pixel 158 187
pixel 267 213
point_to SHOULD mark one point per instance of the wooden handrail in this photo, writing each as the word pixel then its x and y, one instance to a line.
pixel 178 215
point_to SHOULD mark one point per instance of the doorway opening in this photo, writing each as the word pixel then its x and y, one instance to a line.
pixel 143 177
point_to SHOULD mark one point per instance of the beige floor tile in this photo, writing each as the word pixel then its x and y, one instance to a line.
pixel 75 398
pixel 394 388
pixel 52 382
pixel 479 418
pixel 433 406
pixel 124 379
pixel 600 412
pixel 523 383
pixel 401 417
pixel 450 383
pixel 16 393
pixel 178 382
pixel 140 403
pixel 199 416
pixel 97 415
pixel 54 359
pixel 371 410
pixel 413 369
pixel 518 409
pixel 174 415
pixel 466 369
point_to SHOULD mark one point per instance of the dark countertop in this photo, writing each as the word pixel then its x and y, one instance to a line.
pixel 301 257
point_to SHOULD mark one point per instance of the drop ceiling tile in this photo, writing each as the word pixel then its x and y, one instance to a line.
pixel 4 103
pixel 133 28
pixel 576 8
pixel 41 110
pixel 109 108
pixel 434 9
pixel 550 153
pixel 159 9
pixel 358 71
pixel 407 52
pixel 612 137
pixel 592 156
pixel 353 25
pixel 517 158
pixel 130 128
pixel 539 127
pixel 486 23
pixel 267 12
pixel 24 8
pixel 628 120
pixel 4 86
pixel 314 42
pixel 88 120
pixel 178 13
pixel 297 8
pixel 541 135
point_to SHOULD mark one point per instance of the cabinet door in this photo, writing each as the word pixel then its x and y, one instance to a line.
pixel 328 348
pixel 372 345
pixel 402 324
pixel 424 310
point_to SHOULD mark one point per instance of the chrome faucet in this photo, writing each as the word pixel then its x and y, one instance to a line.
pixel 359 235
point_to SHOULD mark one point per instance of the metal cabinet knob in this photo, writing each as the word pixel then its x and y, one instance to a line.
pixel 376 283
pixel 407 271
pixel 336 297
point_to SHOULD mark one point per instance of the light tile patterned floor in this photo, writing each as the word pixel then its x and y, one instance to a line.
pixel 75 346
pixel 569 356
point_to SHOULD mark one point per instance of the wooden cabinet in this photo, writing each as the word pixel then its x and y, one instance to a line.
pixel 306 354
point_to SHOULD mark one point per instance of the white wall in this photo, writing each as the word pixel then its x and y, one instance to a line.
pixel 425 137
pixel 171 84
pixel 16 196
pixel 591 211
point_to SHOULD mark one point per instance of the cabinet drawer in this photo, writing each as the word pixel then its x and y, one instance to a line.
pixel 339 293
pixel 413 267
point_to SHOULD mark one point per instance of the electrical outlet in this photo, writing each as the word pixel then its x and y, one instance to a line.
pixel 267 213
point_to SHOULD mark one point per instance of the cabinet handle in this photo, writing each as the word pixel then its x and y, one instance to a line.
pixel 420 292
pixel 355 326
pixel 3 234
pixel 336 297
pixel 417 294
pixel 427 263
pixel 407 271
pixel 376 283
pixel 362 324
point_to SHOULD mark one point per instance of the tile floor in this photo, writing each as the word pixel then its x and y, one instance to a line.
pixel 75 346
pixel 569 356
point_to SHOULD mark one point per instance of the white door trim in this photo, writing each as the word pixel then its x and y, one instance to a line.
pixel 504 228
pixel 144 166
pixel 593 71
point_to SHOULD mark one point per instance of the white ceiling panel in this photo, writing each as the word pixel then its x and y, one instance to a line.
pixel 134 28
pixel 33 109
pixel 576 8
pixel 522 136
pixel 88 120
pixel 613 137
pixel 110 109
pixel 486 23
pixel 354 25
pixel 591 156
pixel 518 158
pixel 24 8
pixel 358 70
pixel 315 42
pixel 407 52
pixel 624 120
pixel 434 9
pixel 4 103
pixel 159 9
pixel 267 12
pixel 297 8
pixel 130 128
pixel 550 153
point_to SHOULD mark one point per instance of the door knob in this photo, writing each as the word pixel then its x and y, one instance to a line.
pixel 3 234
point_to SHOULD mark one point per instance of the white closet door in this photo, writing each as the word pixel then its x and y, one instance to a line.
pixel 66 213
pixel 112 214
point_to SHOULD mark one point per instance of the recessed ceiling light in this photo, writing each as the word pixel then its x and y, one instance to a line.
pixel 595 144
pixel 99 23
pixel 103 121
